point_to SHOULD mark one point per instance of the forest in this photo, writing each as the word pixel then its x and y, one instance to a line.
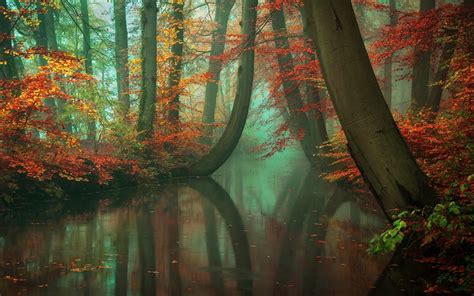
pixel 236 147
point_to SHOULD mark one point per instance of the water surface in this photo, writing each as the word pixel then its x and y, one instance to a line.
pixel 269 227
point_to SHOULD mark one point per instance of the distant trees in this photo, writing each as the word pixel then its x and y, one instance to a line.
pixel 373 137
pixel 388 67
pixel 422 67
pixel 8 68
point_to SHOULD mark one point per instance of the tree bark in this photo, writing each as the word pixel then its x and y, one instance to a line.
pixel 223 8
pixel 294 101
pixel 121 57
pixel 8 69
pixel 421 68
pixel 233 131
pixel 147 110
pixel 176 61
pixel 374 140
pixel 41 40
pixel 87 51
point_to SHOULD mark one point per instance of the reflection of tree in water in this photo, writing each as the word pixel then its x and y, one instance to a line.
pixel 137 242
pixel 224 205
pixel 306 236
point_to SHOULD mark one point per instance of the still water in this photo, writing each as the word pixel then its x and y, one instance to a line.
pixel 258 227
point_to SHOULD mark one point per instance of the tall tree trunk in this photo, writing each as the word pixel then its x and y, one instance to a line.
pixel 41 40
pixel 147 110
pixel 8 69
pixel 294 101
pixel 232 133
pixel 53 45
pixel 87 51
pixel 373 137
pixel 388 66
pixel 317 124
pixel 176 61
pixel 121 56
pixel 223 8
pixel 421 68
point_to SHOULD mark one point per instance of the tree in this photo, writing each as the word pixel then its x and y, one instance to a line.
pixel 294 101
pixel 422 67
pixel 87 51
pixel 176 60
pixel 147 110
pixel 121 56
pixel 41 38
pixel 223 8
pixel 8 68
pixel 233 131
pixel 374 140
pixel 50 27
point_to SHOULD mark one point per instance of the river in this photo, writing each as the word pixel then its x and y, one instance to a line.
pixel 257 227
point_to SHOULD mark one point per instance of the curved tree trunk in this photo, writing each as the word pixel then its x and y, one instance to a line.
pixel 229 139
pixel 294 101
pixel 87 51
pixel 223 8
pixel 121 56
pixel 146 113
pixel 8 69
pixel 421 69
pixel 373 137
pixel 176 61
pixel 223 203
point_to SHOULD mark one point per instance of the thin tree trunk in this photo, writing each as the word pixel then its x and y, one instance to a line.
pixel 121 56
pixel 223 9
pixel 294 101
pixel 421 68
pixel 373 137
pixel 87 51
pixel 229 139
pixel 41 40
pixel 8 69
pixel 53 45
pixel 316 117
pixel 147 110
pixel 176 61
pixel 388 66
